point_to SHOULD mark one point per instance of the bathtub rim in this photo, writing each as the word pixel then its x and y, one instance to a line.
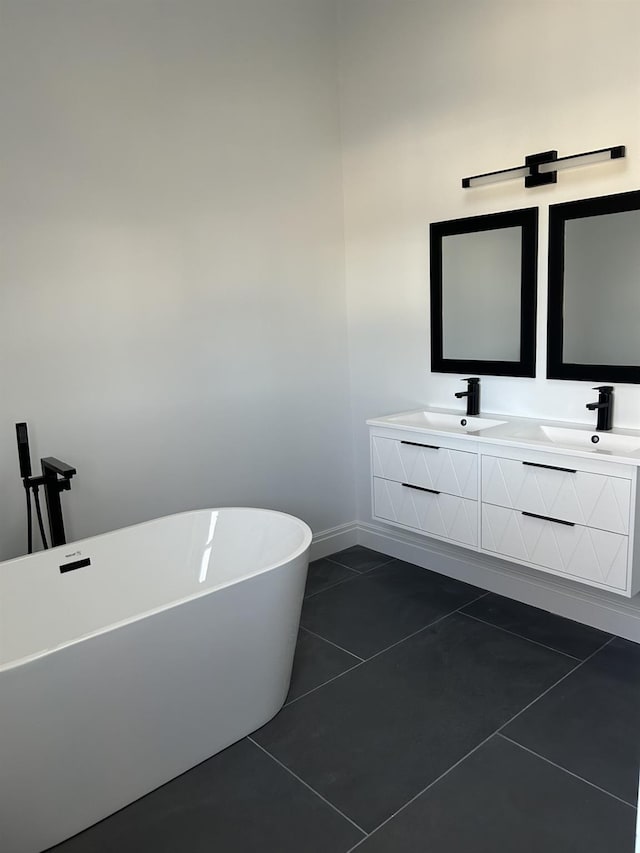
pixel 294 555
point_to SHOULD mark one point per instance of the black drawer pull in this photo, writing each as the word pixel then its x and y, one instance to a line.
pixel 551 467
pixel 417 444
pixel 548 518
pixel 421 489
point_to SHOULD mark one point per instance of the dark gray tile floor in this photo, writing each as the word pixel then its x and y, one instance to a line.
pixel 557 633
pixel 370 741
pixel 315 663
pixel 324 574
pixel 502 799
pixel 423 714
pixel 359 559
pixel 590 723
pixel 240 801
pixel 386 604
pixel 344 565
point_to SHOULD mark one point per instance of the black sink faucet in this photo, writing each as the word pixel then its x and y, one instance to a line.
pixel 472 394
pixel 604 407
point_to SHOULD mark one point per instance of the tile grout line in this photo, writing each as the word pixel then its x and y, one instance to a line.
pixel 423 791
pixel 324 684
pixel 379 566
pixel 565 770
pixel 366 660
pixel 375 568
pixel 306 785
pixel 482 743
pixel 553 686
pixel 356 574
pixel 513 634
pixel 331 643
pixel 382 651
pixel 424 627
pixel 333 585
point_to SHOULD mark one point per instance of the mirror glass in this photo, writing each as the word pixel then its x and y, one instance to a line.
pixel 483 281
pixel 594 289
pixel 482 320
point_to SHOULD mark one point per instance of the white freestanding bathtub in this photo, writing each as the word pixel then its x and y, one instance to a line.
pixel 128 658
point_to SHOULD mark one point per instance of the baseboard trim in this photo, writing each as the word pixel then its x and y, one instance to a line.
pixel 602 610
pixel 333 539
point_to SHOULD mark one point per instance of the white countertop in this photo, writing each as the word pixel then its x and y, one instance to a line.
pixel 617 445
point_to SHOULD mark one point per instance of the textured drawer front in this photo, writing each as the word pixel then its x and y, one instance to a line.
pixel 593 500
pixel 439 514
pixel 583 552
pixel 452 471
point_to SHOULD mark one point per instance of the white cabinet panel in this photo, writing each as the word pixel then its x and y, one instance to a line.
pixel 594 500
pixel 598 556
pixel 441 514
pixel 452 471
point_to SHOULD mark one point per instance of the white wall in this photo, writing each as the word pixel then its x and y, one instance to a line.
pixel 172 306
pixel 435 91
pixel 172 314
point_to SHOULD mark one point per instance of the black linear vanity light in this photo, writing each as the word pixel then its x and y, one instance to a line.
pixel 543 168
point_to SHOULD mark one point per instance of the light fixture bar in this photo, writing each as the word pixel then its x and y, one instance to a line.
pixel 496 177
pixel 585 159
pixel 542 168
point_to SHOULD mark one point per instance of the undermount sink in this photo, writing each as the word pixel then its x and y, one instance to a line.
pixel 445 421
pixel 582 438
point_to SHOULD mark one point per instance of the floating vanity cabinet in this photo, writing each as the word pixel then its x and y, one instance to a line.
pixel 562 514
pixel 427 485
pixel 571 514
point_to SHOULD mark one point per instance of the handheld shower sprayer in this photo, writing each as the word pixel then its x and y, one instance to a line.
pixel 30 483
pixel 51 468
pixel 22 434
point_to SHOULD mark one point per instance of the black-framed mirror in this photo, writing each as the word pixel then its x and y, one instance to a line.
pixel 483 294
pixel 593 328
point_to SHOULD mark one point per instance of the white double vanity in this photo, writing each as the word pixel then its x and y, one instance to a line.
pixel 557 498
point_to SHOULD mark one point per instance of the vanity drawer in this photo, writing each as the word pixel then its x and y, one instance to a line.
pixel 426 464
pixel 597 556
pixel 437 513
pixel 593 500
